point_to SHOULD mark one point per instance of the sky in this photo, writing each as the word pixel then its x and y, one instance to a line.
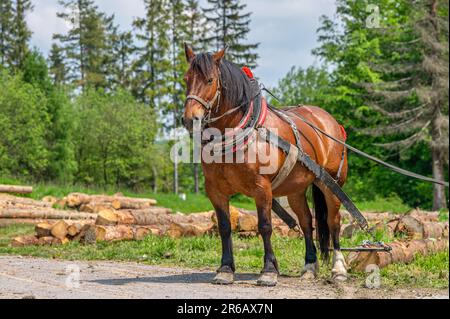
pixel 285 29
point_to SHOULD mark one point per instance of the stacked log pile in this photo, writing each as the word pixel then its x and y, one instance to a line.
pixel 402 252
pixel 422 233
pixel 14 210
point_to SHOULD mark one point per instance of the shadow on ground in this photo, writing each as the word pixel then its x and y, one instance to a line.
pixel 193 278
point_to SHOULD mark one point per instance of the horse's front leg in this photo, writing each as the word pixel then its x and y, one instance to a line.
pixel 263 200
pixel 225 274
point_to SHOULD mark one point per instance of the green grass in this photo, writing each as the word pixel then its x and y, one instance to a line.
pixel 391 204
pixel 204 252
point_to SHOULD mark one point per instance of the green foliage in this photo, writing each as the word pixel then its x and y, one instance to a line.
pixel 308 86
pixel 113 138
pixel 359 56
pixel 23 123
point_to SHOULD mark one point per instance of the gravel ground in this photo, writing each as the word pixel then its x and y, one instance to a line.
pixel 23 277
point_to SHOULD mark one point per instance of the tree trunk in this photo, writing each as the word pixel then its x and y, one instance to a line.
pixel 439 198
pixel 155 180
pixel 49 213
pixel 196 182
pixel 15 189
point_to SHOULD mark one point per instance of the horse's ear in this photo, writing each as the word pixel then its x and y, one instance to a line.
pixel 189 52
pixel 218 56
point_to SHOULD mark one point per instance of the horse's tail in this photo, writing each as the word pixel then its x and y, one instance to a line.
pixel 321 212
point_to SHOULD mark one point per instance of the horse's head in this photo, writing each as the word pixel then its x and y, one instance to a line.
pixel 203 85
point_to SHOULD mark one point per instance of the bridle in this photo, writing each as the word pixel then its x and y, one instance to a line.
pixel 209 106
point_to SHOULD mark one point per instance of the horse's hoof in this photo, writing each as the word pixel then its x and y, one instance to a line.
pixel 309 272
pixel 268 279
pixel 308 275
pixel 339 277
pixel 223 278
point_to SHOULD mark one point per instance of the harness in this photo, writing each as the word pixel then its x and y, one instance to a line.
pixel 252 122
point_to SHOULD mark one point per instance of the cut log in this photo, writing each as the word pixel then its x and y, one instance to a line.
pixel 16 189
pixel 424 216
pixel 435 230
pixel 18 221
pixel 47 241
pixel 59 230
pixel 116 233
pixel 247 223
pixel 134 203
pixel 234 218
pixel 52 200
pixel 42 213
pixel 417 229
pixel 141 232
pixel 402 252
pixel 9 201
pixel 95 233
pixel 74 229
pixel 177 230
pixel 117 202
pixel 24 241
pixel 152 216
pixel 410 226
pixel 43 229
pixel 107 217
pixel 4 222
pixel 281 230
pixel 347 231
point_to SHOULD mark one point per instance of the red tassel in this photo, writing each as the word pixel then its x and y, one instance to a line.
pixel 344 133
pixel 248 72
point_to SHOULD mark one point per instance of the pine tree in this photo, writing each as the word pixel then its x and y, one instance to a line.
pixel 57 66
pixel 6 27
pixel 413 95
pixel 178 66
pixel 86 43
pixel 197 30
pixel 21 34
pixel 122 44
pixel 230 28
pixel 151 64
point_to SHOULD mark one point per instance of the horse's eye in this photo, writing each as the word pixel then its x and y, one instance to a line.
pixel 210 81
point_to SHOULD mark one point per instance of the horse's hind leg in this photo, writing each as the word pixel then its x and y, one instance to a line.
pixel 299 205
pixel 339 271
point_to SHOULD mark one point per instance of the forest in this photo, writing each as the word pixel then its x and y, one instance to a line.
pixel 98 109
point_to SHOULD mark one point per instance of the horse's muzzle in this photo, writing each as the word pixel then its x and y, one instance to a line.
pixel 189 123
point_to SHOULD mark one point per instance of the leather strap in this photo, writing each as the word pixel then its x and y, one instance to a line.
pixel 286 169
pixel 207 105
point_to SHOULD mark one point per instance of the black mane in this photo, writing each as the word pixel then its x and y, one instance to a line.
pixel 237 88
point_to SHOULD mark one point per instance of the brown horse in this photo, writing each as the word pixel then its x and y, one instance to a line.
pixel 217 88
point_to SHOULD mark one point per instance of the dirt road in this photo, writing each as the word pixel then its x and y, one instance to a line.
pixel 23 277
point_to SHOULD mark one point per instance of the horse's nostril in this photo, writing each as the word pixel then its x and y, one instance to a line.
pixel 197 118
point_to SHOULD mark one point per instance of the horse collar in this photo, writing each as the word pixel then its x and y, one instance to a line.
pixel 240 136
